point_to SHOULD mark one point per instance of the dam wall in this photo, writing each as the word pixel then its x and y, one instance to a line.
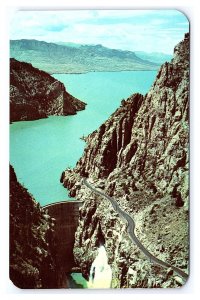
pixel 66 214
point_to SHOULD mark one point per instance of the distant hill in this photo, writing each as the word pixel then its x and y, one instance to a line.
pixel 56 58
pixel 68 44
pixel 156 57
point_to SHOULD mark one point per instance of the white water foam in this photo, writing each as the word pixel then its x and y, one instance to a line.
pixel 100 272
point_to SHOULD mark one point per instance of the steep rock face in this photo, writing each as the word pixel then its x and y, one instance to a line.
pixel 35 94
pixel 140 157
pixel 100 224
pixel 33 261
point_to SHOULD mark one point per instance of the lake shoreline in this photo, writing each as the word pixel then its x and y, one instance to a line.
pixel 117 71
pixel 41 149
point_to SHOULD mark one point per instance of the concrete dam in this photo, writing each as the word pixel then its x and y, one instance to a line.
pixel 66 214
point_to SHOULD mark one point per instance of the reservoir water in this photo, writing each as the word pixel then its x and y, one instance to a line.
pixel 40 150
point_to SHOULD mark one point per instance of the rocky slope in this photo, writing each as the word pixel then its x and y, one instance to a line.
pixel 140 157
pixel 33 262
pixel 35 94
pixel 55 58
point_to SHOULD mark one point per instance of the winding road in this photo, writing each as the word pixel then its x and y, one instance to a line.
pixel 131 229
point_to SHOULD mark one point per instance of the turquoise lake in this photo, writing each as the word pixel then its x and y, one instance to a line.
pixel 40 150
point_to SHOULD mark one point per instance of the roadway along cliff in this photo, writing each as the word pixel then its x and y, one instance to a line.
pixel 130 230
pixel 139 157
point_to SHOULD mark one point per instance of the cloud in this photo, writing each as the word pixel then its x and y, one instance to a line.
pixel 55 27
pixel 149 30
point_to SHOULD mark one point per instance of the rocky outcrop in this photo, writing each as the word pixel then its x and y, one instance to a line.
pixel 33 247
pixel 139 156
pixel 35 94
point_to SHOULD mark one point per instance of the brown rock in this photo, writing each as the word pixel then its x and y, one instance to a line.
pixel 34 94
pixel 141 152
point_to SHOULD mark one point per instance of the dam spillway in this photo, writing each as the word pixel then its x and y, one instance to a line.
pixel 66 215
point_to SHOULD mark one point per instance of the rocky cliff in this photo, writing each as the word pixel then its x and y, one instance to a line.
pixel 33 247
pixel 139 156
pixel 35 94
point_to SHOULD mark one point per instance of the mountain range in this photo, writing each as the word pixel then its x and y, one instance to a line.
pixel 72 58
pixel 156 57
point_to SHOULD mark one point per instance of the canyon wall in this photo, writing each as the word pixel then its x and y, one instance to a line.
pixel 140 157
pixel 34 94
pixel 33 245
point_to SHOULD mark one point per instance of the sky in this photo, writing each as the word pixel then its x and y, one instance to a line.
pixel 134 30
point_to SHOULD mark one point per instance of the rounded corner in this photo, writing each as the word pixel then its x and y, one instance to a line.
pixel 184 14
pixel 185 282
pixel 15 284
